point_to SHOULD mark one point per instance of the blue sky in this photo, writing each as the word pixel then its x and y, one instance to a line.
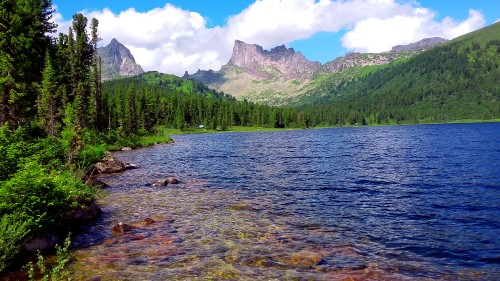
pixel 179 35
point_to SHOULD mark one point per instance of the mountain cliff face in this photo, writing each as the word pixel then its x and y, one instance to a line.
pixel 280 75
pixel 117 61
pixel 266 65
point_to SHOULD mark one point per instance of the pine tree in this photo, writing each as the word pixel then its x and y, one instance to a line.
pixel 47 107
pixel 95 108
pixel 24 25
pixel 82 62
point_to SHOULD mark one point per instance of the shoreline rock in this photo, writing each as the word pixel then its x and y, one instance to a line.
pixel 109 165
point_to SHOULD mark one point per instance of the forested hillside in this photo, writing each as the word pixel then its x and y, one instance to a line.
pixel 139 104
pixel 458 80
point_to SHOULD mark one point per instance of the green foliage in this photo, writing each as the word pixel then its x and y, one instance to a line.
pixel 58 272
pixel 89 155
pixel 177 84
pixel 13 232
pixel 23 40
pixel 34 200
pixel 18 147
pixel 33 194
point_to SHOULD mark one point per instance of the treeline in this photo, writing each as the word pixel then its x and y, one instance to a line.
pixel 176 83
pixel 451 82
pixel 50 107
pixel 133 105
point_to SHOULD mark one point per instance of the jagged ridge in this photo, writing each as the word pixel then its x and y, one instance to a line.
pixel 117 61
pixel 280 75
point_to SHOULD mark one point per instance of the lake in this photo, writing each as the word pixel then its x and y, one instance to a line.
pixel 419 202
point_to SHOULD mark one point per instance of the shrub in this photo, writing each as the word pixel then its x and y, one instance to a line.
pixel 13 232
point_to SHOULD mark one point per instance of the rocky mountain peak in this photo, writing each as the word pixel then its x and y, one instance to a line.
pixel 279 62
pixel 117 61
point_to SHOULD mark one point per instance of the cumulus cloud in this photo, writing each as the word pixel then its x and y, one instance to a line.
pixel 380 34
pixel 172 40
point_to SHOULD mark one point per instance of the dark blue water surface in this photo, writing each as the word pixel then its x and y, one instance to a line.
pixel 425 194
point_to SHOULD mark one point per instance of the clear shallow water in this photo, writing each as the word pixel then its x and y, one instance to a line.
pixel 377 203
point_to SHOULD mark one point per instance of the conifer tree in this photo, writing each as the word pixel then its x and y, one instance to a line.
pixel 47 107
pixel 95 107
pixel 24 25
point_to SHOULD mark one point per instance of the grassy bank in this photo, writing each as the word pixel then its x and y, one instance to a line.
pixel 172 131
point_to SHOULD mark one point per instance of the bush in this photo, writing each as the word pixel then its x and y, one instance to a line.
pixel 43 198
pixel 89 155
pixel 13 232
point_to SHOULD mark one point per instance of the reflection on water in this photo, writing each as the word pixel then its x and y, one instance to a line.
pixel 384 203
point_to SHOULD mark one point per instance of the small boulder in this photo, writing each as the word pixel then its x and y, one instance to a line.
pixel 172 180
pixel 84 211
pixel 109 165
pixel 121 228
pixel 41 243
pixel 130 166
pixel 94 181
pixel 148 221
pixel 126 148
pixel 160 183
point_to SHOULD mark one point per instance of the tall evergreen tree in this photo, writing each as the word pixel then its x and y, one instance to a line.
pixel 95 108
pixel 24 25
pixel 47 107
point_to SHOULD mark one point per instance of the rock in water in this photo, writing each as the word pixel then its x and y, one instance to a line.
pixel 172 180
pixel 130 166
pixel 148 221
pixel 121 228
pixel 109 165
pixel 160 183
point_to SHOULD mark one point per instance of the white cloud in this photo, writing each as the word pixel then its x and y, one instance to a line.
pixel 172 40
pixel 379 35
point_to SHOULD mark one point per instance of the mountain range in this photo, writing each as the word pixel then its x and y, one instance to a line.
pixel 281 75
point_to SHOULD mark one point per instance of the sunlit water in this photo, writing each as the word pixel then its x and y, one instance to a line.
pixel 380 203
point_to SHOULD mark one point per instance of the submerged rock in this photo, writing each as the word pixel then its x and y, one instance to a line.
pixel 130 166
pixel 306 258
pixel 172 180
pixel 109 165
pixel 121 228
pixel 148 221
pixel 160 183
pixel 165 182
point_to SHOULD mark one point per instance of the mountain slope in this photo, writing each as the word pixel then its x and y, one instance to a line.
pixel 421 45
pixel 281 76
pixel 117 61
pixel 180 85
pixel 457 80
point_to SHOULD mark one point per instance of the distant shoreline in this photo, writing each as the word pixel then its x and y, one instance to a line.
pixel 244 129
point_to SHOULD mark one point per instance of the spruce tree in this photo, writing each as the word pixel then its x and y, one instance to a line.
pixel 24 25
pixel 47 107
